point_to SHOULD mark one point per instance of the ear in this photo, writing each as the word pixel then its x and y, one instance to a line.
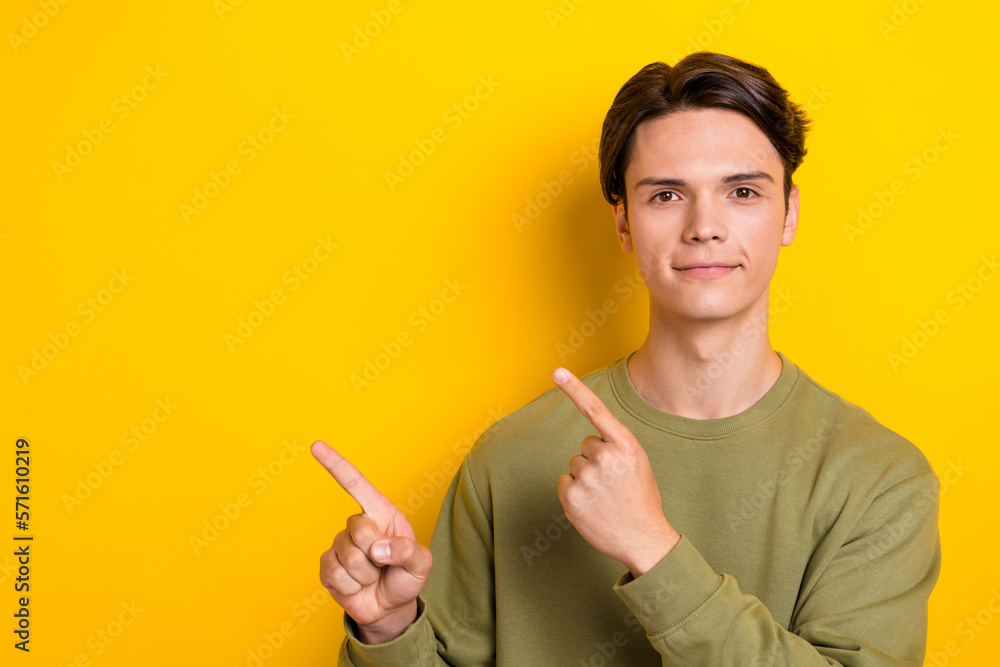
pixel 621 225
pixel 791 217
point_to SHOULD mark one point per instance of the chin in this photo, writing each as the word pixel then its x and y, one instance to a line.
pixel 712 312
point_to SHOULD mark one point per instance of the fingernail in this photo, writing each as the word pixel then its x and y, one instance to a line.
pixel 380 551
pixel 560 375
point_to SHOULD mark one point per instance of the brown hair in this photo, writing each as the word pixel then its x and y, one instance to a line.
pixel 701 80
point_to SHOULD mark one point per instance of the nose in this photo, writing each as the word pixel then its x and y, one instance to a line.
pixel 704 222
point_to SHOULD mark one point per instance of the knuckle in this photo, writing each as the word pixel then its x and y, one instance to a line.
pixel 610 475
pixel 342 541
pixel 341 581
pixel 562 484
pixel 631 447
pixel 357 523
pixel 353 560
pixel 563 490
pixel 329 573
pixel 326 563
pixel 571 501
pixel 591 410
pixel 364 532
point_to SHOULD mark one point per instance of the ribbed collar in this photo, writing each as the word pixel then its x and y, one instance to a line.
pixel 705 429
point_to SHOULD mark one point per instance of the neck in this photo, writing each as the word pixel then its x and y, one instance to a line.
pixel 705 370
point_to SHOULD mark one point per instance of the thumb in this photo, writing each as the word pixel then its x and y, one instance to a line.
pixel 409 554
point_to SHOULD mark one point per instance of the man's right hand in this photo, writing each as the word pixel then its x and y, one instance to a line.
pixel 376 568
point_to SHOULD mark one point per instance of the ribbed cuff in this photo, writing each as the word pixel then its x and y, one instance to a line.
pixel 671 590
pixel 413 647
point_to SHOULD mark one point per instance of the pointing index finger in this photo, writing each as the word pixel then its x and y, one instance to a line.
pixel 351 480
pixel 590 405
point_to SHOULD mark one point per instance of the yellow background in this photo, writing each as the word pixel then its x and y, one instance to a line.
pixel 881 80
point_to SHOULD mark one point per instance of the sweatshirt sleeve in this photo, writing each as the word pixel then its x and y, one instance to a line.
pixel 868 608
pixel 456 617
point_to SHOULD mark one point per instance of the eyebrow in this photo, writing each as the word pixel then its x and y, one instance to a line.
pixel 678 183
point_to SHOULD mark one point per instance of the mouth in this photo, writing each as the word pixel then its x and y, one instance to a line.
pixel 707 269
pixel 706 265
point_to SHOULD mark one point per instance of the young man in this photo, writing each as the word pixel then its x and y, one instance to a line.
pixel 701 501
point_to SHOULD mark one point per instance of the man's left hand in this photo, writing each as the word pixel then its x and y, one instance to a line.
pixel 610 494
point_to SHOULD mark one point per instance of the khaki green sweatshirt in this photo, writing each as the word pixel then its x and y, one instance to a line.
pixel 808 537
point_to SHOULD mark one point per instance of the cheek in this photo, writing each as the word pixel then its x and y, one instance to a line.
pixel 651 251
pixel 652 234
pixel 759 238
pixel 766 247
pixel 768 264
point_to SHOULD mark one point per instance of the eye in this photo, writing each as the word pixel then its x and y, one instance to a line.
pixel 744 193
pixel 665 196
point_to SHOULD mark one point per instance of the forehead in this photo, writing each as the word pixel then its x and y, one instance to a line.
pixel 702 142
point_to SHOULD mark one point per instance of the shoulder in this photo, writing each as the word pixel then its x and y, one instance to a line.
pixel 853 438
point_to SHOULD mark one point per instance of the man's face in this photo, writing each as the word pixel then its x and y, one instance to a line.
pixel 706 213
